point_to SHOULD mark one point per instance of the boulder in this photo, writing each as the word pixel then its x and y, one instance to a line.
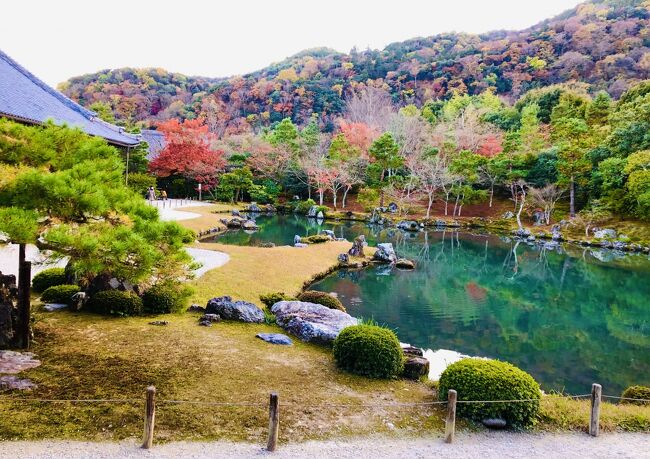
pixel 159 323
pixel 301 245
pixel 556 232
pixel 275 338
pixel 344 258
pixel 234 223
pixel 415 367
pixel 267 245
pixel 228 309
pixel 409 350
pixel 297 239
pixel 79 300
pixel 392 208
pixel 357 246
pixel 320 215
pixel 606 233
pixel 385 253
pixel 539 218
pixel 15 383
pixel 270 208
pixel 508 215
pixel 408 225
pixel 403 263
pixel 376 218
pixel 313 210
pixel 235 213
pixel 210 318
pixel 312 323
pixel 108 282
pixel 51 307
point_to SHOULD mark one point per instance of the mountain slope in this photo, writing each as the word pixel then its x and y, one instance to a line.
pixel 603 43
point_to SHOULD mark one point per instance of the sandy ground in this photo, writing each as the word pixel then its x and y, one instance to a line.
pixel 501 445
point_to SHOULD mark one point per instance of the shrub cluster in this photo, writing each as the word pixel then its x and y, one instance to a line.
pixel 271 298
pixel 369 350
pixel 323 298
pixel 315 239
pixel 482 379
pixel 59 294
pixel 303 207
pixel 48 278
pixel 165 298
pixel 637 392
pixel 116 303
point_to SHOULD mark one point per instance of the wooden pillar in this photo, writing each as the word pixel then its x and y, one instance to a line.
pixel 274 422
pixel 24 302
pixel 450 423
pixel 149 417
pixel 594 420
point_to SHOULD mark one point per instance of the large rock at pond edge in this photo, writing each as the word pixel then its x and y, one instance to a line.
pixel 312 323
pixel 408 225
pixel 415 367
pixel 385 253
pixel 606 233
pixel 275 338
pixel 228 309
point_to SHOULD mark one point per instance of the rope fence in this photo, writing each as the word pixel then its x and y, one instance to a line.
pixel 452 401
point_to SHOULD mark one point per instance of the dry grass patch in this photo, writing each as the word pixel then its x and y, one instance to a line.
pixel 254 271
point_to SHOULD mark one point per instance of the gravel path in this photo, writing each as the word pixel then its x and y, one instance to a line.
pixel 500 445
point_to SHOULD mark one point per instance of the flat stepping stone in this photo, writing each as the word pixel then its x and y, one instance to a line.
pixel 275 338
pixel 15 383
pixel 51 307
pixel 12 362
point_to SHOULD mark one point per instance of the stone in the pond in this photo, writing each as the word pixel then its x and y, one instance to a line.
pixel 344 258
pixel 403 263
pixel 415 367
pixel 312 323
pixel 16 383
pixel 494 423
pixel 51 307
pixel 385 253
pixel 300 245
pixel 205 323
pixel 196 308
pixel 275 338
pixel 159 322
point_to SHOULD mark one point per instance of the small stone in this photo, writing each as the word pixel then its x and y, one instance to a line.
pixel 210 318
pixel 51 307
pixel 494 423
pixel 300 245
pixel 159 322
pixel 275 338
pixel 205 323
pixel 196 308
pixel 227 309
pixel 329 233
pixel 403 263
pixel 407 349
pixel 267 245
pixel 344 258
pixel 16 383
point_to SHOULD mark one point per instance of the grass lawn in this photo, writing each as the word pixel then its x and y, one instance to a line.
pixel 86 356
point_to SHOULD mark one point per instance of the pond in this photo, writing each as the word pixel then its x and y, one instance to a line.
pixel 569 316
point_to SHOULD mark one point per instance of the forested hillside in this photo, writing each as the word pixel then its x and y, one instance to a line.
pixel 603 44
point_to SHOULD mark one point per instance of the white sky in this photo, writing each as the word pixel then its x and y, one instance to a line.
pixel 58 39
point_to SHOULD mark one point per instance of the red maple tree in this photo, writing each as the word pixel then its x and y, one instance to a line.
pixel 188 152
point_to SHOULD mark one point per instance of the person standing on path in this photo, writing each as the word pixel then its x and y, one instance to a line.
pixel 163 195
pixel 151 194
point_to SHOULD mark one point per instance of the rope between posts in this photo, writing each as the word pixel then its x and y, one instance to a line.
pixel 627 398
pixel 51 400
pixel 198 402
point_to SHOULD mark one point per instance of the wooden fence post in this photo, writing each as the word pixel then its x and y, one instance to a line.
pixel 149 417
pixel 274 422
pixel 24 303
pixel 450 423
pixel 594 421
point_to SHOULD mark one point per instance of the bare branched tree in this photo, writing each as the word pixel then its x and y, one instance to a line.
pixel 546 198
pixel 372 106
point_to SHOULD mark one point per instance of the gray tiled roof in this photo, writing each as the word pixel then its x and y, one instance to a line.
pixel 26 98
pixel 155 140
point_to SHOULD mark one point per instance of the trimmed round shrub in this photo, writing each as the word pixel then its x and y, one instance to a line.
pixel 315 239
pixel 638 392
pixel 271 298
pixel 59 294
pixel 164 299
pixel 482 379
pixel 116 303
pixel 369 350
pixel 48 278
pixel 322 298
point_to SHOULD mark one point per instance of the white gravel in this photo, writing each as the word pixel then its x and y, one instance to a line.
pixel 501 445
pixel 167 211
pixel 209 259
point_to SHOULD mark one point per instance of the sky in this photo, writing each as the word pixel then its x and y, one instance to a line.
pixel 58 39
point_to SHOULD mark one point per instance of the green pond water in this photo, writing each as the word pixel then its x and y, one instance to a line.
pixel 569 316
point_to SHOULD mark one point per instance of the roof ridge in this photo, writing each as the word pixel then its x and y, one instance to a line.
pixel 45 87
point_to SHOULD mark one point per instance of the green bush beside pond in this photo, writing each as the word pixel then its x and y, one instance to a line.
pixel 59 294
pixel 322 298
pixel 369 350
pixel 48 278
pixel 165 298
pixel 483 379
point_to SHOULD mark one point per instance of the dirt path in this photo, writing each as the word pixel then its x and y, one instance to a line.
pixel 501 445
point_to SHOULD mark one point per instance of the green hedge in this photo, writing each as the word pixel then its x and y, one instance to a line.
pixel 59 294
pixel 315 239
pixel 116 303
pixel 165 298
pixel 325 299
pixel 303 207
pixel 638 392
pixel 48 278
pixel 271 298
pixel 369 350
pixel 482 379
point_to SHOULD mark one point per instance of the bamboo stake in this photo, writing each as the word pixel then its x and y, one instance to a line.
pixel 450 424
pixel 274 422
pixel 594 421
pixel 149 417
